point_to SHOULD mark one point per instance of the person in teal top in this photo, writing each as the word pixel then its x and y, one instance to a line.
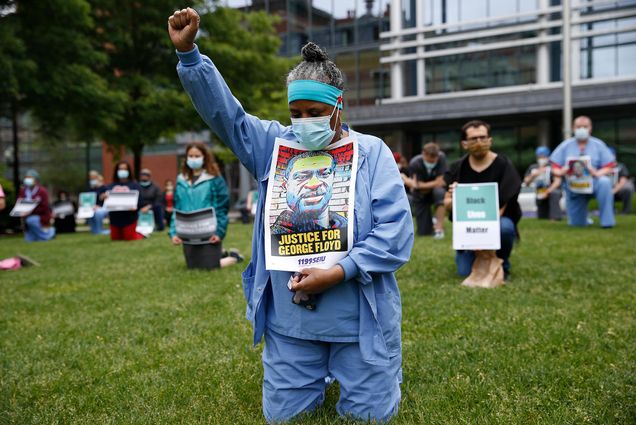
pixel 200 185
pixel 354 334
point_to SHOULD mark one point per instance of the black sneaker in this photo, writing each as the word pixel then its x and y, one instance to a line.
pixel 234 253
pixel 506 276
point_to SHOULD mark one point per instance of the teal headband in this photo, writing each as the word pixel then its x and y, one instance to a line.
pixel 314 90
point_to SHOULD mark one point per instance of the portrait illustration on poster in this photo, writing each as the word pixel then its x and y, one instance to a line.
pixel 309 205
pixel 578 176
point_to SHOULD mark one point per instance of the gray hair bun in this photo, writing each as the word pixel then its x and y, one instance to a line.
pixel 311 52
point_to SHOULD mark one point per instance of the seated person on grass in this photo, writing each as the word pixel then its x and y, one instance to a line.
pixel 623 187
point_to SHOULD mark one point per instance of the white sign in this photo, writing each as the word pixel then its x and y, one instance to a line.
pixel 62 209
pixel 578 176
pixel 476 217
pixel 309 205
pixel 122 201
pixel 145 223
pixel 87 202
pixel 23 207
pixel 196 227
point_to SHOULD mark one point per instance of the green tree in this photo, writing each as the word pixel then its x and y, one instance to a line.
pixel 141 65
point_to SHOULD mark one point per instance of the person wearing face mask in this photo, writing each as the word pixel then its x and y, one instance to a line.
pixel 428 189
pixel 168 201
pixel 602 165
pixel 482 165
pixel 38 223
pixel 547 185
pixel 200 185
pixel 96 184
pixel 353 335
pixel 123 224
pixel 623 185
pixel 151 198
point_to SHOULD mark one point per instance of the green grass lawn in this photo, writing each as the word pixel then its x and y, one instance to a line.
pixel 123 333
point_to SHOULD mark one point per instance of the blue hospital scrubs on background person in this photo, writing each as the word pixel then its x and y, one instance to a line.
pixel 577 204
pixel 354 334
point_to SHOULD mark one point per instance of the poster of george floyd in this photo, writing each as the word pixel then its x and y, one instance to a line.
pixel 578 176
pixel 309 205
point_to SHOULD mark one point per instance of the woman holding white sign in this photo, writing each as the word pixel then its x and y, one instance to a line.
pixel 200 186
pixel 351 331
pixel 123 223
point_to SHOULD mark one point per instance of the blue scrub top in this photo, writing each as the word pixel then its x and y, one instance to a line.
pixel 596 149
pixel 366 306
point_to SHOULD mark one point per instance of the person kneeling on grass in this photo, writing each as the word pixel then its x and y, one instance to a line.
pixel 482 165
pixel 200 185
pixel 123 224
pixel 37 225
pixel 354 335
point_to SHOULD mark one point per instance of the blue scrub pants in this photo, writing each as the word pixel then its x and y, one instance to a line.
pixel 465 259
pixel 576 204
pixel 97 221
pixel 34 231
pixel 294 379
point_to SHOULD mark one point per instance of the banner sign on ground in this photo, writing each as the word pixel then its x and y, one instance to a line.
pixel 122 201
pixel 578 176
pixel 23 207
pixel 309 205
pixel 476 217
pixel 196 227
pixel 87 202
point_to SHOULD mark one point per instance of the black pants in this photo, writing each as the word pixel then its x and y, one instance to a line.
pixel 549 208
pixel 206 256
pixel 422 205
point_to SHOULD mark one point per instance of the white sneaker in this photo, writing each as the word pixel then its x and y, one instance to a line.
pixel 439 234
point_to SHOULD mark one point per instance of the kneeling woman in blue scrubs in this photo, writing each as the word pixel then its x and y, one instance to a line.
pixel 354 334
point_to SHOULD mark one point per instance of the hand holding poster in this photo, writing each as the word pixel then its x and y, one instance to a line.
pixel 23 207
pixel 195 227
pixel 309 205
pixel 87 202
pixel 578 176
pixel 122 200
pixel 476 217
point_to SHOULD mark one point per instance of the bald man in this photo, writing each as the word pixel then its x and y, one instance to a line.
pixel 602 164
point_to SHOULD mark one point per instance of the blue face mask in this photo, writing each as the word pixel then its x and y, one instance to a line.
pixel 314 133
pixel 195 163
pixel 145 183
pixel 123 174
pixel 29 181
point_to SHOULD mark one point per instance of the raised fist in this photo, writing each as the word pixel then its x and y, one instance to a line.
pixel 182 27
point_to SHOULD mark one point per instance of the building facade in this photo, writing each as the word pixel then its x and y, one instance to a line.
pixel 500 60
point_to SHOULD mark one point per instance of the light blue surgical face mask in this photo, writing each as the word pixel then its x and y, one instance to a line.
pixel 93 182
pixel 29 181
pixel 195 163
pixel 315 133
pixel 430 165
pixel 145 183
pixel 123 174
pixel 581 133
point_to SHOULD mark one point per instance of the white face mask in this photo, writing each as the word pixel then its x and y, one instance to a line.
pixel 581 133
pixel 542 162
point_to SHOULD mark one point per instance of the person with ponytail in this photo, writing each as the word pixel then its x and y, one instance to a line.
pixel 123 224
pixel 200 185
pixel 353 334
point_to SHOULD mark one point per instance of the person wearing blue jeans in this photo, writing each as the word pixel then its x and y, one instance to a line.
pixel 482 165
pixel 464 259
pixel 602 164
pixel 37 225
